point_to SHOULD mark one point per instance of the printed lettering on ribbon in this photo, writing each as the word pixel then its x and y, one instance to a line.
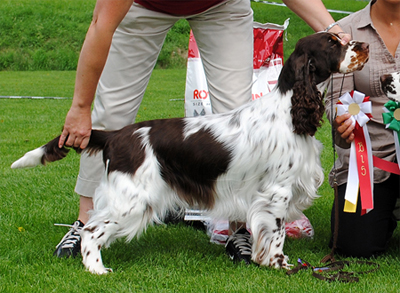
pixel 360 174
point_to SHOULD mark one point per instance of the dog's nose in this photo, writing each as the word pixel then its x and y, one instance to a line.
pixel 383 78
pixel 365 47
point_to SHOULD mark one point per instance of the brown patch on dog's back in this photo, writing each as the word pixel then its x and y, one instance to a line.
pixel 191 166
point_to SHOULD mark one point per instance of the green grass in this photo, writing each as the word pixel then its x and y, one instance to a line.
pixel 44 35
pixel 172 258
pixel 48 35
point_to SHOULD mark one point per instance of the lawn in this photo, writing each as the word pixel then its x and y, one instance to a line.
pixel 174 258
pixel 47 35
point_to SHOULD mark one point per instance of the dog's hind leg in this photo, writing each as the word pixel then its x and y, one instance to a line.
pixel 267 223
pixel 121 209
pixel 104 227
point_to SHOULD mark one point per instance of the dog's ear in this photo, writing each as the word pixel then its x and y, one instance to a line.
pixel 307 105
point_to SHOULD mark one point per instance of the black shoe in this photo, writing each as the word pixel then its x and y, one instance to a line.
pixel 174 216
pixel 238 246
pixel 70 245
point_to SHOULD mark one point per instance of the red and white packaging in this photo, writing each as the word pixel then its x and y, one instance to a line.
pixel 197 101
pixel 267 64
pixel 267 57
pixel 300 228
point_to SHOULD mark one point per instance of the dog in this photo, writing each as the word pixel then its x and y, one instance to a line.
pixel 390 84
pixel 258 164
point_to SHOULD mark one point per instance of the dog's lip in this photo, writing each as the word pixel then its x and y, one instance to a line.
pixel 361 67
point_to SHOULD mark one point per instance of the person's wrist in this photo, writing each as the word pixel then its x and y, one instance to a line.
pixel 81 105
pixel 329 27
pixel 344 36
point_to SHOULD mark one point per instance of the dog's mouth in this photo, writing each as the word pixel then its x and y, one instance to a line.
pixel 362 64
pixel 354 66
pixel 357 63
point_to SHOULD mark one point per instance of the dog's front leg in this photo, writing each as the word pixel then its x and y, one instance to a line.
pixel 267 223
pixel 94 235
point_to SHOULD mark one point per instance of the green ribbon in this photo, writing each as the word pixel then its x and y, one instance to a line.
pixel 388 117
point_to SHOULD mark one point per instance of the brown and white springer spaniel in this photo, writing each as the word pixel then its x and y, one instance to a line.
pixel 259 163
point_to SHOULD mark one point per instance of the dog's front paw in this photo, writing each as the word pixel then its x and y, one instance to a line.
pixel 280 261
pixel 93 262
pixel 99 270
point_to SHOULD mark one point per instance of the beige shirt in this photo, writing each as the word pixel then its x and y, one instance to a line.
pixel 360 26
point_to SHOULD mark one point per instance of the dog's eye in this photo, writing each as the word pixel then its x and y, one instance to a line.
pixel 334 41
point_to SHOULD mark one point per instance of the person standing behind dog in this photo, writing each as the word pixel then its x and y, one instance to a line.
pixel 364 236
pixel 119 53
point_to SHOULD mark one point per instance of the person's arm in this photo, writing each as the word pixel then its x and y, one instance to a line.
pixel 107 16
pixel 314 13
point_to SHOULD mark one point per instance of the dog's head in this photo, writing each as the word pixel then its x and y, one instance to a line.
pixel 390 84
pixel 312 62
pixel 319 55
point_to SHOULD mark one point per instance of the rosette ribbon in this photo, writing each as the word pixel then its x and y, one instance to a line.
pixel 391 117
pixel 360 173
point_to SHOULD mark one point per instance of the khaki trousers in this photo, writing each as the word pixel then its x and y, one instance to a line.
pixel 224 35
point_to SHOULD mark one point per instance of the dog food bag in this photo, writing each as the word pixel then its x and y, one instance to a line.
pixel 300 228
pixel 267 64
pixel 267 57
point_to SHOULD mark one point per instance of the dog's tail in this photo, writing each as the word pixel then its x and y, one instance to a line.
pixel 50 152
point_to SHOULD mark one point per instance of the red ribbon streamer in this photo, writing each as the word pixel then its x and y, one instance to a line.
pixel 386 166
pixel 363 170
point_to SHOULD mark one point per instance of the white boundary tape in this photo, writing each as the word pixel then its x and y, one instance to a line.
pixel 64 98
pixel 281 4
pixel 34 98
